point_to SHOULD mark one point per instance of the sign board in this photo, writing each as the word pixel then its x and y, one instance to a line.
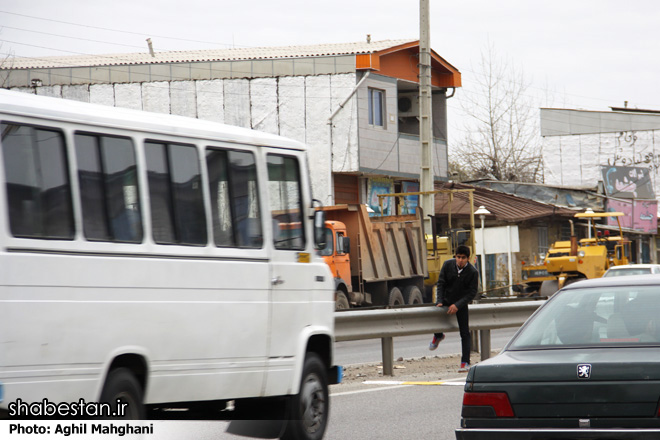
pixel 498 240
pixel 628 182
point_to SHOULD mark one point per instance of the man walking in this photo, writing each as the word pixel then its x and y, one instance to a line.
pixel 457 286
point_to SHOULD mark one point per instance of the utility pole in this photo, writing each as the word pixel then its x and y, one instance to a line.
pixel 425 126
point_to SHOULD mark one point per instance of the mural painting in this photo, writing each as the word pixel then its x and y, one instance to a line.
pixel 410 202
pixel 380 186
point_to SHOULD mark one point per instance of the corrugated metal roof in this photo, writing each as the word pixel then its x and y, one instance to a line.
pixel 253 53
pixel 502 206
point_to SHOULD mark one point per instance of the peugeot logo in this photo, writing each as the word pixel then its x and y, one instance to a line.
pixel 584 371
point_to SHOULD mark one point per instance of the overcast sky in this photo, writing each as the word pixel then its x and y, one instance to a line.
pixel 577 53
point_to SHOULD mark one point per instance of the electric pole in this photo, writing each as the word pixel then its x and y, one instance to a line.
pixel 425 125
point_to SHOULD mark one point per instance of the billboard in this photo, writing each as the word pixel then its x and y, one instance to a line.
pixel 628 182
pixel 641 215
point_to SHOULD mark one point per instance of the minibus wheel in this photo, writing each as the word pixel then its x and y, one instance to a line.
pixel 309 409
pixel 121 387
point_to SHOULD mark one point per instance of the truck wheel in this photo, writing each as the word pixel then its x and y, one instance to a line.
pixel 342 302
pixel 412 295
pixel 395 297
pixel 121 387
pixel 309 409
pixel 548 288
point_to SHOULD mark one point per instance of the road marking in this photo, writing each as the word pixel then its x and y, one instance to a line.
pixel 455 382
pixel 368 391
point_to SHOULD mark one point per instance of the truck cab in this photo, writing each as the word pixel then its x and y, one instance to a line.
pixel 337 256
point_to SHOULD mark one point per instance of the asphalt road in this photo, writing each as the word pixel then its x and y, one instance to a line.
pixel 368 412
pixel 386 411
pixel 393 412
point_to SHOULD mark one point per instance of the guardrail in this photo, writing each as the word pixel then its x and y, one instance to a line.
pixel 385 324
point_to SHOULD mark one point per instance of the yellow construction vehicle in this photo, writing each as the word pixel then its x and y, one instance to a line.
pixel 573 260
pixel 533 275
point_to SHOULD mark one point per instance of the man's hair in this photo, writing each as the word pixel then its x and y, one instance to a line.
pixel 463 250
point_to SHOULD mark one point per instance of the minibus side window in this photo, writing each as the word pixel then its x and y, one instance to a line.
pixel 286 202
pixel 175 192
pixel 37 182
pixel 234 198
pixel 108 188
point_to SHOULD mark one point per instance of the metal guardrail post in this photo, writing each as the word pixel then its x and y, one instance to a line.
pixel 474 339
pixel 484 335
pixel 387 345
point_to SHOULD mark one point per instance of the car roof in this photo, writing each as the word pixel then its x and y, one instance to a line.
pixel 632 280
pixel 634 266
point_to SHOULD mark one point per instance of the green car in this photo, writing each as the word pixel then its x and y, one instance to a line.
pixel 585 365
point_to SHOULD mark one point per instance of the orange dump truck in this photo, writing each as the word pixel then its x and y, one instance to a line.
pixel 375 260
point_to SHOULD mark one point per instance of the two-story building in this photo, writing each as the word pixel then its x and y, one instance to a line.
pixel 355 105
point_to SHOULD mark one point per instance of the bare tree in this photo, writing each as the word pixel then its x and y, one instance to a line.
pixel 6 63
pixel 501 136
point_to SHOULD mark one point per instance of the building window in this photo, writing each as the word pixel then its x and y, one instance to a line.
pixel 377 107
pixel 543 239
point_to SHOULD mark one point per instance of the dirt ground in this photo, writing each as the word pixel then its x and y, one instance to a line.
pixel 426 368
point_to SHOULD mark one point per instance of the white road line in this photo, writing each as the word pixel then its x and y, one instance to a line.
pixel 368 390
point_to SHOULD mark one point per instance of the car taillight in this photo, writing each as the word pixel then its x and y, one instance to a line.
pixel 486 405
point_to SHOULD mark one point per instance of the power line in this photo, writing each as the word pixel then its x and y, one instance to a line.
pixel 142 34
pixel 65 36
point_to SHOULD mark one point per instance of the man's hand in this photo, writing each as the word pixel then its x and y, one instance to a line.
pixel 439 305
pixel 452 310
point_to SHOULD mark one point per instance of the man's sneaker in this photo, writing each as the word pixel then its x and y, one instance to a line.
pixel 464 367
pixel 436 340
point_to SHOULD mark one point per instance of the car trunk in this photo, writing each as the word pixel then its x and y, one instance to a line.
pixel 547 384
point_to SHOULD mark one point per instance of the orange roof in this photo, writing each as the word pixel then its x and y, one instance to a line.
pixel 402 62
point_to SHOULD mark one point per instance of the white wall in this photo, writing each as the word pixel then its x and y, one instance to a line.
pixel 575 160
pixel 297 107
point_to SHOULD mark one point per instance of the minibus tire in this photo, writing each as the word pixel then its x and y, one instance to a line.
pixel 310 408
pixel 122 385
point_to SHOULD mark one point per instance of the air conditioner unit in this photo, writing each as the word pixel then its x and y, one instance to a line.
pixel 408 105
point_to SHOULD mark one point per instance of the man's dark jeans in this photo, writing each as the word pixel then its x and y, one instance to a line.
pixel 462 317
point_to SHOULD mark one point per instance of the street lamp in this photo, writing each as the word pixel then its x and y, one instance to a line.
pixel 589 211
pixel 482 212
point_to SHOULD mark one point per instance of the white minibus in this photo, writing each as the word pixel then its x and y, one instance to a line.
pixel 144 271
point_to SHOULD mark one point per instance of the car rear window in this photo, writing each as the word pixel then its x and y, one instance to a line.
pixel 626 315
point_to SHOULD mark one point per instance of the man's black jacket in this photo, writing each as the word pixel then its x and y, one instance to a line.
pixel 454 288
